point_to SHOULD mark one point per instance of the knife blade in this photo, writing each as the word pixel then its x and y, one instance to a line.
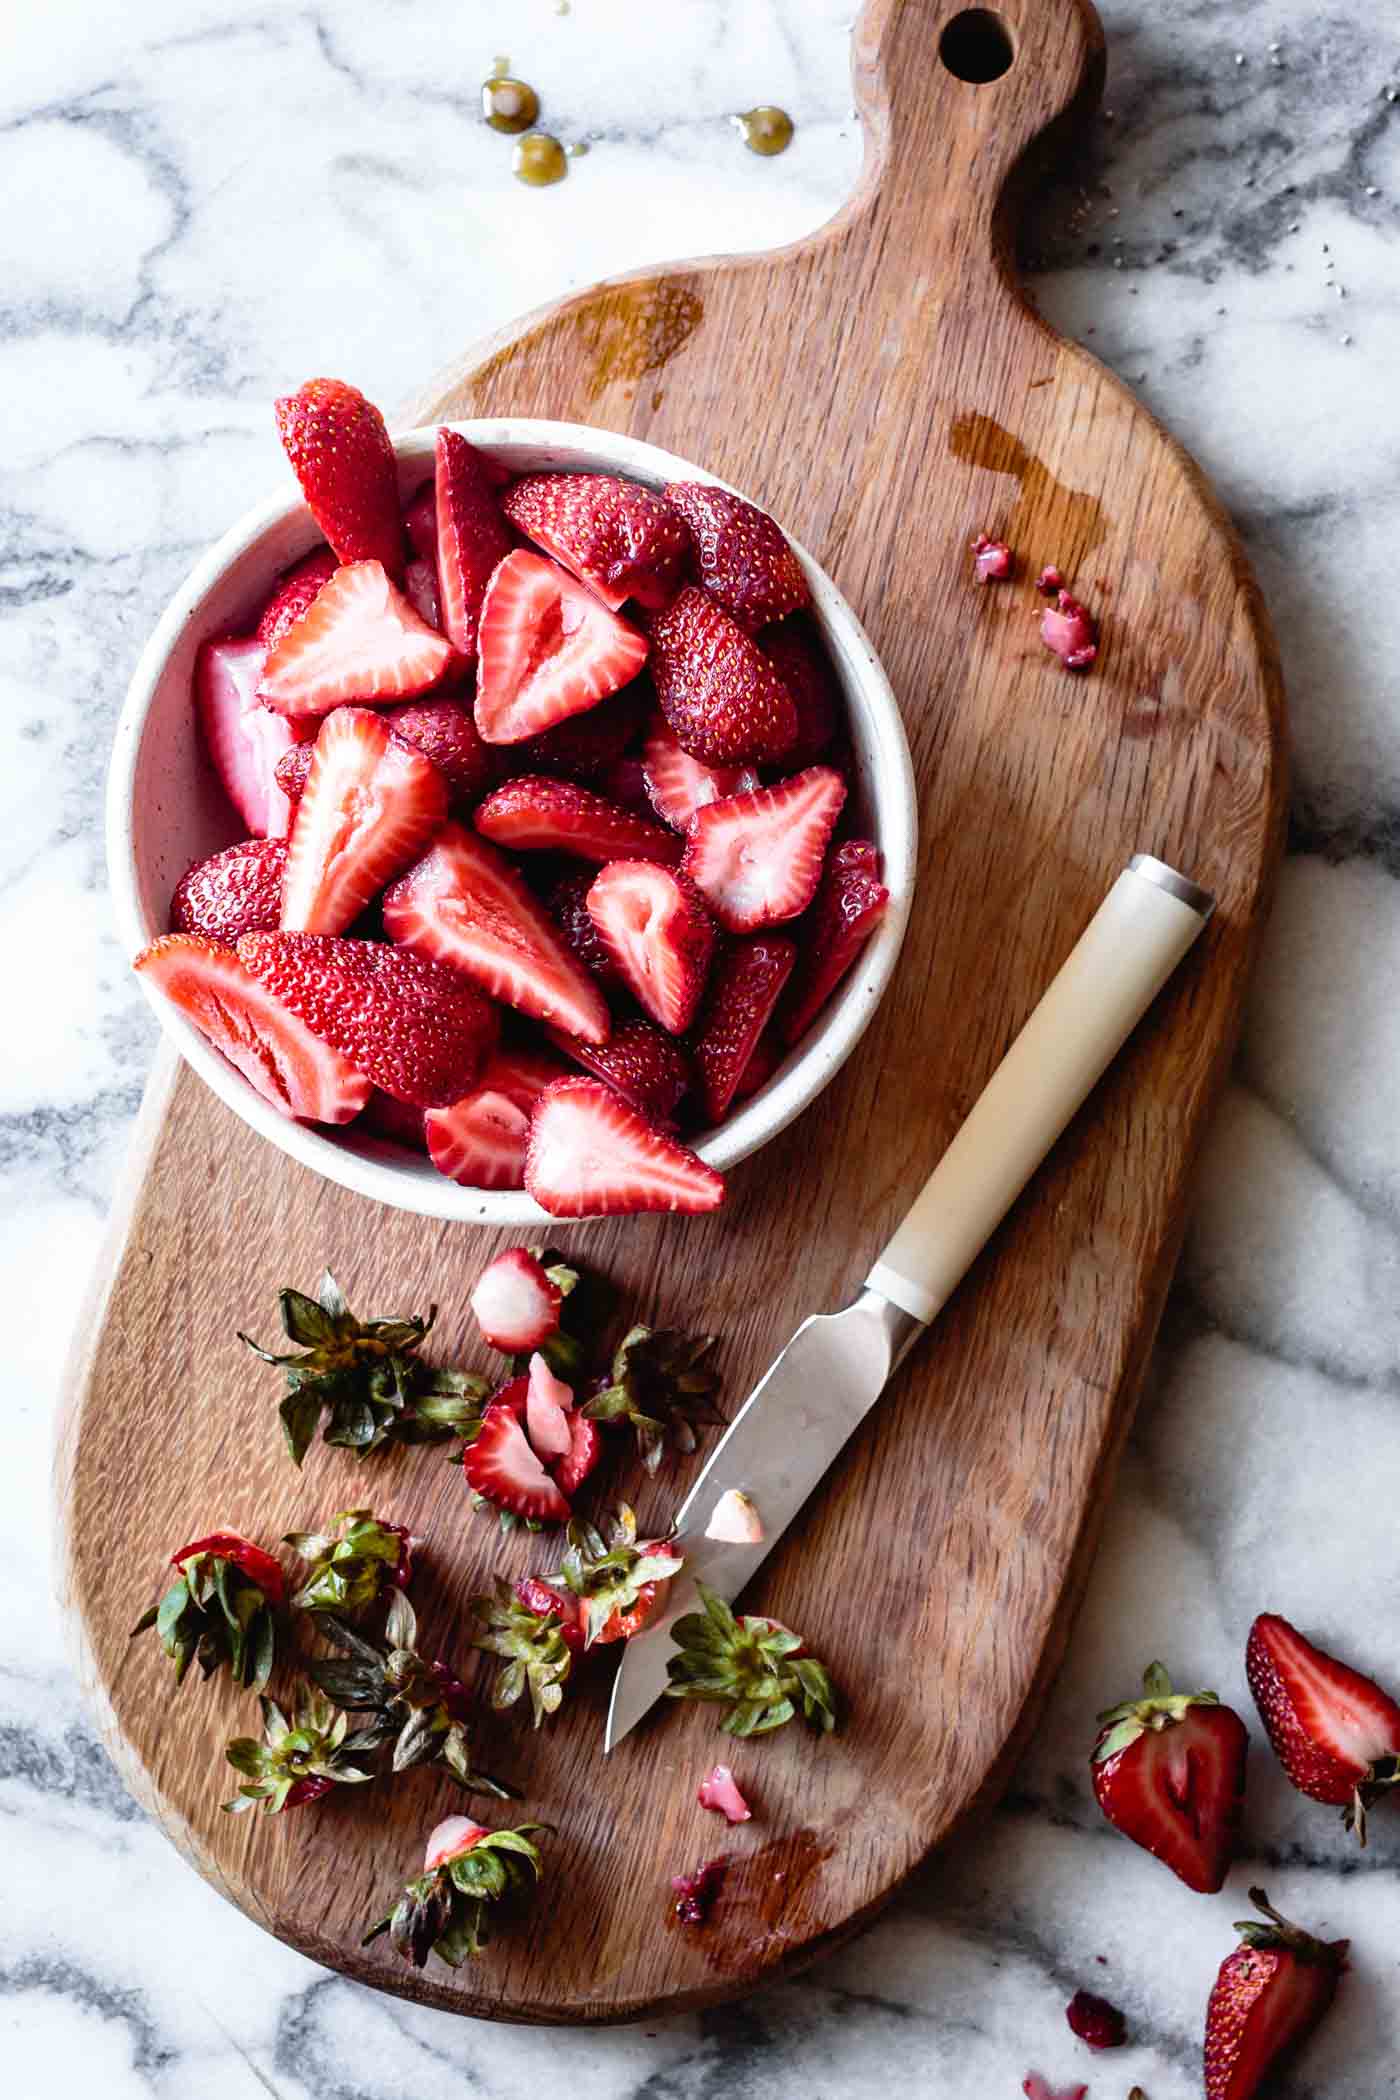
pixel 828 1377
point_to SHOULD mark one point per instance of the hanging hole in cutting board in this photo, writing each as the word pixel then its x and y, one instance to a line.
pixel 976 46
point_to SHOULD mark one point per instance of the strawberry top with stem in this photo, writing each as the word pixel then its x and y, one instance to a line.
pixel 445 1911
pixel 755 1667
pixel 299 1758
pixel 618 1582
pixel 351 1563
pixel 1269 1995
pixel 533 1646
pixel 219 1611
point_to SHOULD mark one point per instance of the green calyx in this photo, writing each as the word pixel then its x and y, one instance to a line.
pixel 312 1748
pixel 1159 1707
pixel 1274 1930
pixel 607 1570
pixel 752 1666
pixel 215 1615
pixel 349 1566
pixel 662 1385
pixel 361 1380
pixel 446 1912
pixel 532 1647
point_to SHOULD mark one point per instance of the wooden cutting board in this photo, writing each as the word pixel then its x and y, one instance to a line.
pixel 887 391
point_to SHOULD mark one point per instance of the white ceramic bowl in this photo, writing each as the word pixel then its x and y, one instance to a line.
pixel 165 809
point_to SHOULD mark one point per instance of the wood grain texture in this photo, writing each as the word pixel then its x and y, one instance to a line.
pixel 885 389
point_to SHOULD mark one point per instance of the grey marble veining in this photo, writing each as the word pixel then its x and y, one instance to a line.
pixel 203 204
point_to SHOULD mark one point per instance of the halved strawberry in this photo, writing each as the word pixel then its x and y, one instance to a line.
pixel 849 905
pixel 370 805
pixel 244 739
pixel 417 1030
pixel 640 1062
pixel 341 454
pixel 480 1140
pixel 398 1121
pixel 464 904
pixel 515 1304
pixel 445 731
pixel 548 649
pixel 798 658
pixel 1270 1993
pixel 745 986
pixel 471 538
pixel 500 1465
pixel 1168 1771
pixel 758 857
pixel 537 814
pixel 659 933
pixel 722 697
pixel 586 747
pixel 741 556
pixel 295 591
pixel 568 905
pixel 617 537
pixel 585 1450
pixel 236 891
pixel 276 1053
pixel 551 1602
pixel 591 1155
pixel 359 639
pixel 678 784
pixel 548 1406
pixel 293 768
pixel 1335 1732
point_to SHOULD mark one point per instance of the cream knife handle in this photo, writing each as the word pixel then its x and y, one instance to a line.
pixel 1131 946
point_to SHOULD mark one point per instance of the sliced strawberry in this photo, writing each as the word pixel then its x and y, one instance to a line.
pixel 244 739
pixel 501 1466
pixel 585 1450
pixel 421 590
pixel 849 905
pixel 341 454
pixel 259 1566
pixel 296 590
pixel 236 891
pixel 445 731
pixel 585 747
pixel 548 1602
pixel 592 1156
pixel 678 784
pixel 537 814
pixel 568 905
pixel 625 783
pixel 741 556
pixel 464 904
pixel 647 1067
pixel 615 536
pixel 480 1140
pixel 744 988
pixel 548 649
pixel 471 538
pixel 735 1519
pixel 516 1305
pixel 293 768
pixel 719 1791
pixel 449 1839
pixel 1335 1732
pixel 548 1405
pixel 722 697
pixel 660 935
pixel 763 1062
pixel 417 1030
pixel 420 522
pixel 1168 1771
pixel 370 805
pixel 757 858
pixel 1269 1995
pixel 360 639
pixel 800 661
pixel 276 1053
pixel 398 1121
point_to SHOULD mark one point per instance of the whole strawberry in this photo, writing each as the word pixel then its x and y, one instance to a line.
pixel 219 1610
pixel 1168 1772
pixel 1268 1997
pixel 1335 1732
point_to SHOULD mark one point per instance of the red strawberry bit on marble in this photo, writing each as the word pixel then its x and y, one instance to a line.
pixel 758 857
pixel 741 556
pixel 849 906
pixel 591 1155
pixel 1335 1732
pixel 655 925
pixel 615 536
pixel 538 814
pixel 472 538
pixel 719 1791
pixel 723 700
pixel 277 1054
pixel 233 892
pixel 359 640
pixel 445 731
pixel 370 805
pixel 1095 2021
pixel 745 985
pixel 1269 1995
pixel 500 1466
pixel 695 1893
pixel 639 1061
pixel 480 1140
pixel 417 1030
pixel 516 1305
pixel 245 740
pixel 678 784
pixel 991 559
pixel 1168 1771
pixel 342 455
pixel 548 649
pixel 1069 632
pixel 800 661
pixel 465 905
pixel 587 747
pixel 297 590
pixel 1036 2088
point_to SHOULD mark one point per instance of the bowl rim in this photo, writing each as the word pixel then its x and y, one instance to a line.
pixel 380 1171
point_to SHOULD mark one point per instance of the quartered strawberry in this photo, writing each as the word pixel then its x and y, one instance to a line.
pixel 585 1450
pixel 1268 1997
pixel 236 891
pixel 800 661
pixel 568 906
pixel 1168 1771
pixel 1335 1732
pixel 551 1602
pixel 296 590
pixel 419 1031
pixel 480 1140
pixel 277 1054
pixel 745 985
pixel 398 1121
pixel 849 906
pixel 678 784
pixel 341 454
pixel 293 768
pixel 659 934
pixel 591 1155
pixel 500 1465
pixel 471 538
pixel 586 747
pixel 547 648
pixel 721 696
pixel 758 857
pixel 741 556
pixel 615 536
pixel 537 814
pixel 465 905
pixel 445 731
pixel 640 1062
pixel 370 805
pixel 516 1305
pixel 360 639
pixel 245 740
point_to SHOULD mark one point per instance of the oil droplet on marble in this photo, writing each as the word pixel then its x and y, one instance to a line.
pixel 508 104
pixel 539 159
pixel 578 149
pixel 766 129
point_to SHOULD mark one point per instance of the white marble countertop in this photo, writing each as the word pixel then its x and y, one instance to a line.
pixel 206 203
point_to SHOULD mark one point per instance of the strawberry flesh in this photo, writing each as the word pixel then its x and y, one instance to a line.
pixel 296 590
pixel 370 805
pixel 615 536
pixel 745 985
pixel 515 1303
pixel 548 1603
pixel 445 731
pixel 639 1061
pixel 537 814
pixel 678 784
pixel 991 559
pixel 849 905
pixel 799 660
pixel 245 740
pixel 725 703
pixel 1068 630
pixel 1335 1732
pixel 719 1791
pixel 591 1155
pixel 233 892
pixel 1035 2088
pixel 548 1406
pixel 655 925
pixel 696 1893
pixel 548 649
pixel 471 539
pixel 501 1467
pixel 741 556
pixel 359 639
pixel 449 1839
pixel 585 1450
pixel 480 1140
pixel 758 857
pixel 342 455
pixel 1095 2021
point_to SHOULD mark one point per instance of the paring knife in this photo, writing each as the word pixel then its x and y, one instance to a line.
pixel 834 1369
